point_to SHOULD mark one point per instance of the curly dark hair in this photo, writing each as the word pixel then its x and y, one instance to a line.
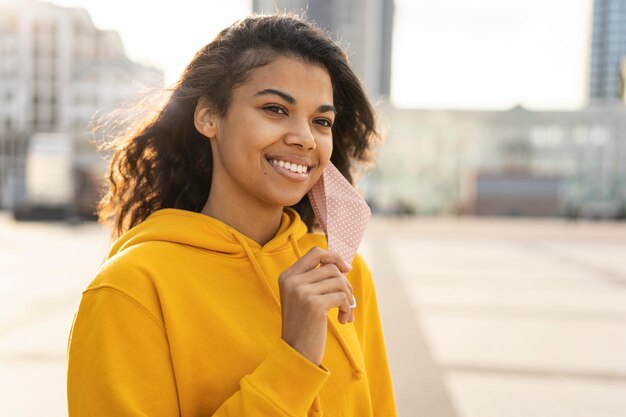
pixel 167 163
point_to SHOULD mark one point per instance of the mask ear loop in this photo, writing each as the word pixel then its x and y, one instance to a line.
pixel 341 212
pixel 317 198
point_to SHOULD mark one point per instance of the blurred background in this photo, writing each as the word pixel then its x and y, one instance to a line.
pixel 498 240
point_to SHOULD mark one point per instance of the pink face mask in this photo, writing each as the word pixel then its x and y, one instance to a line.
pixel 341 212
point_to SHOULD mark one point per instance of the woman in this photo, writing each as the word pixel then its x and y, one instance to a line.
pixel 216 299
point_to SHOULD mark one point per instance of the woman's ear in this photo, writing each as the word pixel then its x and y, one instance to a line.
pixel 205 118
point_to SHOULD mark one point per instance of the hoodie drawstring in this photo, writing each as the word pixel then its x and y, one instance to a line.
pixel 357 373
pixel 294 246
pixel 257 267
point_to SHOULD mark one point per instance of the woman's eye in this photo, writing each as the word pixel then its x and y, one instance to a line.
pixel 275 109
pixel 324 122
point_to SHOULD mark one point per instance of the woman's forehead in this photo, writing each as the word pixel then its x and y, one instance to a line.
pixel 300 79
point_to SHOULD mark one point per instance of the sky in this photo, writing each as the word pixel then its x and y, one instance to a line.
pixel 456 54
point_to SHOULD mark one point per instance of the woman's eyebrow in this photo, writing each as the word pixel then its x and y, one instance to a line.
pixel 291 100
pixel 327 108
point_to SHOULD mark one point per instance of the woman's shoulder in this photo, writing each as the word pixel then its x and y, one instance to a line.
pixel 132 272
pixel 121 286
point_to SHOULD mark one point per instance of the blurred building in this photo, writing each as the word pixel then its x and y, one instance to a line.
pixel 363 27
pixel 623 81
pixel 56 71
pixel 608 49
pixel 513 193
pixel 516 162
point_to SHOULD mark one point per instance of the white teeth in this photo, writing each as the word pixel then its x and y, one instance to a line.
pixel 302 169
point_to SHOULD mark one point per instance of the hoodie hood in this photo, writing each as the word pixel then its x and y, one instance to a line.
pixel 205 232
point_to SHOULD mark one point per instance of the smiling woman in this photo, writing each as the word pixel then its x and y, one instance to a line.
pixel 216 296
pixel 282 113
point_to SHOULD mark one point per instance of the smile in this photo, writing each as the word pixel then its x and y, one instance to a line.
pixel 301 169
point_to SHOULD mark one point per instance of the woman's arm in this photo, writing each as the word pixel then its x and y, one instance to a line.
pixel 118 359
pixel 119 364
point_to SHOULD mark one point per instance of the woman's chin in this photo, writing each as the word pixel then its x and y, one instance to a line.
pixel 290 203
pixel 287 202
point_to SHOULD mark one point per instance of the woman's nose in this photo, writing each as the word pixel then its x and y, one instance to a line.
pixel 301 135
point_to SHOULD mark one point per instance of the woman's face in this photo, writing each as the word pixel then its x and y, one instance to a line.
pixel 275 139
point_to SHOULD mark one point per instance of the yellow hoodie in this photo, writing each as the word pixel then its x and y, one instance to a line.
pixel 184 318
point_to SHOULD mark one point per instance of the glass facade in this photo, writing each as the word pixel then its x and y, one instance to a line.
pixel 608 49
pixel 364 29
pixel 436 161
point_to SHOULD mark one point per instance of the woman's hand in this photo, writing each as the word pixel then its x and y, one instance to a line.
pixel 307 293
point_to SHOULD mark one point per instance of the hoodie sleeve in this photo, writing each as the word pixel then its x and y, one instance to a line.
pixel 271 390
pixel 370 332
pixel 119 364
pixel 118 359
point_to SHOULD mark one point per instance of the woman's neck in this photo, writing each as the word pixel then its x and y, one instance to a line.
pixel 258 223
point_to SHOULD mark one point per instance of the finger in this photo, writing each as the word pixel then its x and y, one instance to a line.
pixel 342 317
pixel 319 274
pixel 330 285
pixel 349 317
pixel 349 286
pixel 316 256
pixel 324 272
pixel 348 283
pixel 335 299
pixel 324 284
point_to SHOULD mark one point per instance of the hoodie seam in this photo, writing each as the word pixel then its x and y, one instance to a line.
pixel 130 298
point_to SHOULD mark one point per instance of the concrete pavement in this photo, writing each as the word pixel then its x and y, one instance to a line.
pixel 482 317
pixel 506 318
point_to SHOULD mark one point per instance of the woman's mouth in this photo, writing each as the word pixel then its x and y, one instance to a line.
pixel 290 170
pixel 302 169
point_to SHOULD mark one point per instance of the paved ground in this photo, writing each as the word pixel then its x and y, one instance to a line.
pixel 506 318
pixel 483 318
